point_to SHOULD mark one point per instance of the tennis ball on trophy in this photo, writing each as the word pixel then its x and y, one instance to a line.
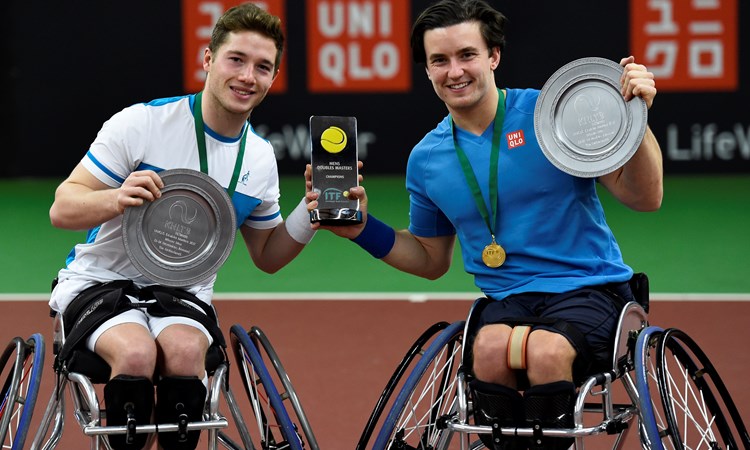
pixel 333 139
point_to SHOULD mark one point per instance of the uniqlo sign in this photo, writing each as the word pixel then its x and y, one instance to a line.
pixel 689 45
pixel 198 20
pixel 358 45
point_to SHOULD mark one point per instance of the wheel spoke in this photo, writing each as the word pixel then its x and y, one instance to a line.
pixel 699 411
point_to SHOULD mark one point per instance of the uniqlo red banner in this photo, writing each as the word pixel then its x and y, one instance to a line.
pixel 689 45
pixel 358 45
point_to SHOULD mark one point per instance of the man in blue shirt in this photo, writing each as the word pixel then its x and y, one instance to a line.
pixel 535 238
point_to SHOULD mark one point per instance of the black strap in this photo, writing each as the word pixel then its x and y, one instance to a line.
pixel 91 308
pixel 172 301
pixel 100 302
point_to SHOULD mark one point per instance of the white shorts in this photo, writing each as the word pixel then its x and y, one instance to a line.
pixel 152 323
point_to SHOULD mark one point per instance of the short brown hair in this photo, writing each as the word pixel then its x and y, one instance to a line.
pixel 248 17
pixel 446 13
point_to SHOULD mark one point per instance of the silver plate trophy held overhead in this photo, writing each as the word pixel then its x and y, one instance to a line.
pixel 183 237
pixel 333 156
pixel 583 123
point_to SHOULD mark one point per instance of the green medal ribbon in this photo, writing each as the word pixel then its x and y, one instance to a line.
pixel 471 179
pixel 200 135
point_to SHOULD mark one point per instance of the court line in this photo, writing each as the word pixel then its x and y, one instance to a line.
pixel 416 297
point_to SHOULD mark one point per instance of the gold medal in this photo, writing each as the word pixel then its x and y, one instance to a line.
pixel 493 255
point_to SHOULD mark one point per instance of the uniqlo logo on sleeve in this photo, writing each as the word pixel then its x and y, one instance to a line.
pixel 689 45
pixel 198 20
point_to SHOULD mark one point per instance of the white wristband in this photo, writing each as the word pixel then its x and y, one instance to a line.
pixel 298 224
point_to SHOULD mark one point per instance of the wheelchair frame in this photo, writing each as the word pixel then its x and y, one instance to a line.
pixel 272 426
pixel 22 363
pixel 677 399
pixel 676 396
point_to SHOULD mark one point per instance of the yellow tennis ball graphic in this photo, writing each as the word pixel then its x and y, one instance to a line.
pixel 333 139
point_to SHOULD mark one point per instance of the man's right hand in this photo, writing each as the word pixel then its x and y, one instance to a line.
pixel 138 187
pixel 354 193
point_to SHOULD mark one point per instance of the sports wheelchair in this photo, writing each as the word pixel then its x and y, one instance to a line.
pixel 21 367
pixel 278 420
pixel 670 392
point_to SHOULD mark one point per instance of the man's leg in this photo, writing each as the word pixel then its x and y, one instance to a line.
pixel 589 318
pixel 496 399
pixel 180 392
pixel 497 405
pixel 130 350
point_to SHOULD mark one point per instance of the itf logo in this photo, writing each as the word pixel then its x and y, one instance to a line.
pixel 333 195
pixel 689 45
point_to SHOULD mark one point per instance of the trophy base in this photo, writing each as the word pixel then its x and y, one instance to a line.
pixel 343 216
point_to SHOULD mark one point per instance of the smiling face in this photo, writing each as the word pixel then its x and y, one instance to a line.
pixel 460 67
pixel 239 74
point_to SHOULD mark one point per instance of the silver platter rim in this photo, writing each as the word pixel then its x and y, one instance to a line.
pixel 219 209
pixel 588 73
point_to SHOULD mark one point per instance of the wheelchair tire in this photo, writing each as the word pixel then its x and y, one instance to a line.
pixel 263 344
pixel 20 389
pixel 273 425
pixel 697 405
pixel 417 348
pixel 427 397
pixel 652 423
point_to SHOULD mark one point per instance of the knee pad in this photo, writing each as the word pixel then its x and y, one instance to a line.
pixel 516 357
pixel 497 404
pixel 129 402
pixel 180 400
pixel 550 406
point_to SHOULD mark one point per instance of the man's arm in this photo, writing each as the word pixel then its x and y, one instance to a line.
pixel 638 184
pixel 425 257
pixel 271 249
pixel 83 202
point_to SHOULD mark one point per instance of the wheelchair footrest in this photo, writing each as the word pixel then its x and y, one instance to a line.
pixel 171 427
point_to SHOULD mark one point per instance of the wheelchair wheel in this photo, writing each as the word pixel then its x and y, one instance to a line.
pixel 417 348
pixel 653 424
pixel 427 397
pixel 274 428
pixel 22 364
pixel 698 408
pixel 269 355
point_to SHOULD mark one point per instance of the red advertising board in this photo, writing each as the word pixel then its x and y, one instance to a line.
pixel 689 45
pixel 198 20
pixel 358 46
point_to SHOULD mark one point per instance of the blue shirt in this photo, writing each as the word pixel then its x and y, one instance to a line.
pixel 551 224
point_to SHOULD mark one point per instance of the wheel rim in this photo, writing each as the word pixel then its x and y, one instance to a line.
pixel 697 406
pixel 273 428
pixel 428 398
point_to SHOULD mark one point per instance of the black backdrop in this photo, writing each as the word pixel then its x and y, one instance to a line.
pixel 68 66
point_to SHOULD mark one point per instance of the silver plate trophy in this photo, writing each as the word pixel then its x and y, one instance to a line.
pixel 183 237
pixel 583 123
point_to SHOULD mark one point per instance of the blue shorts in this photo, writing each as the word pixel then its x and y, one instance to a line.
pixel 593 311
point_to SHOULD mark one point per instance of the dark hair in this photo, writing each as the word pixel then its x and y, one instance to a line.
pixel 248 17
pixel 445 13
